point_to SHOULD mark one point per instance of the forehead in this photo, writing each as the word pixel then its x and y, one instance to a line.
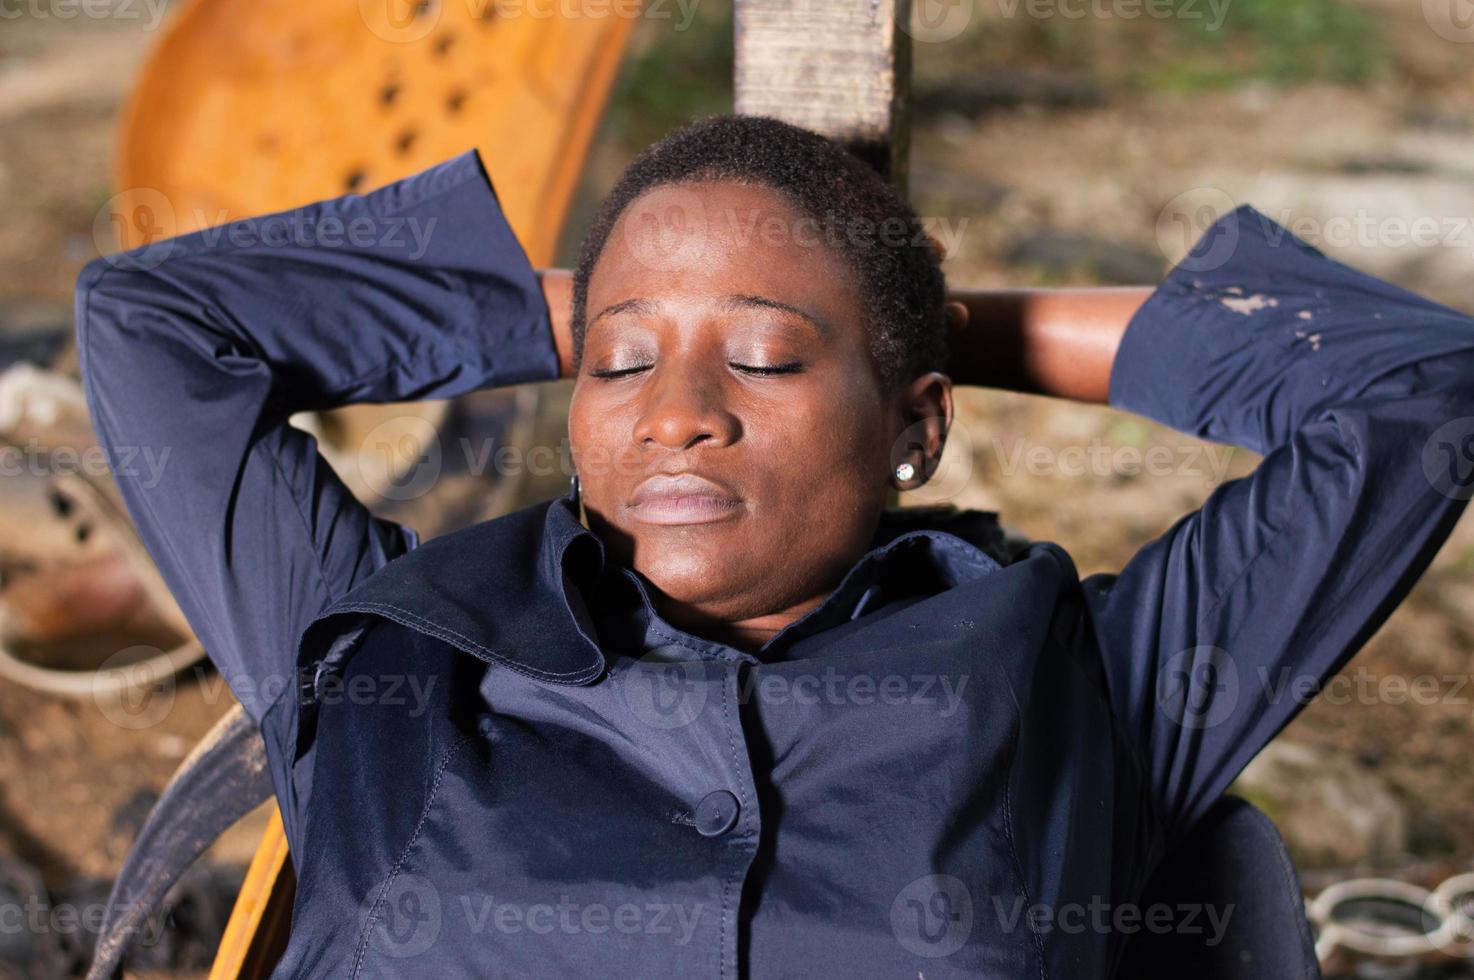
pixel 717 238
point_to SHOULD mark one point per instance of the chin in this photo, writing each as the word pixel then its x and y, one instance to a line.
pixel 689 572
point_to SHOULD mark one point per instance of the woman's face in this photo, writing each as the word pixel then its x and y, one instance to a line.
pixel 732 441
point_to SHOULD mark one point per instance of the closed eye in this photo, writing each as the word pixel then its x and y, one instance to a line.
pixel 790 368
pixel 618 372
pixel 755 369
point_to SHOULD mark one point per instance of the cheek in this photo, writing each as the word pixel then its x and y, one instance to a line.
pixel 597 432
pixel 841 446
pixel 828 461
pixel 849 427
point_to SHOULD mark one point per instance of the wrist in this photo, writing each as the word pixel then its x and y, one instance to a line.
pixel 557 288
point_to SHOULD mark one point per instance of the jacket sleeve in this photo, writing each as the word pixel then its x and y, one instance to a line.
pixel 195 350
pixel 1360 397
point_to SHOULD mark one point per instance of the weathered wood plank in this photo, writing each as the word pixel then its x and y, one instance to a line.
pixel 838 67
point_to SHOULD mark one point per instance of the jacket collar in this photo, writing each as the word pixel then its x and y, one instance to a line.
pixel 464 587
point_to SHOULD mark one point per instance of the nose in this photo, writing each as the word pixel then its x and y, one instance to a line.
pixel 683 409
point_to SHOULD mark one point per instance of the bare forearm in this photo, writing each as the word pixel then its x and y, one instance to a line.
pixel 557 286
pixel 1059 342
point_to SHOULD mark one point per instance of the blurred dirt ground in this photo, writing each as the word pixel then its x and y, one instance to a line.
pixel 1058 154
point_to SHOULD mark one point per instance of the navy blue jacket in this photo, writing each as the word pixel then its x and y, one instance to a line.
pixel 494 758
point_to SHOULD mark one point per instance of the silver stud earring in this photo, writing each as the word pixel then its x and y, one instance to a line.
pixel 905 471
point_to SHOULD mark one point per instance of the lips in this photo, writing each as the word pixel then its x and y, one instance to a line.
pixel 682 498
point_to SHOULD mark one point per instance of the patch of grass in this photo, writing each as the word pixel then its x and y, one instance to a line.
pixel 1463 565
pixel 1204 44
pixel 670 77
pixel 1277 41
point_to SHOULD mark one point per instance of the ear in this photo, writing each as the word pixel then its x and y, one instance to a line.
pixel 922 411
pixel 956 314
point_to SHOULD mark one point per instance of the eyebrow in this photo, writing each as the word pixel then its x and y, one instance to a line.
pixel 742 301
pixel 634 305
pixel 737 301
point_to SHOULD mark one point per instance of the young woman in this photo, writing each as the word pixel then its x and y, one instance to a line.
pixel 740 720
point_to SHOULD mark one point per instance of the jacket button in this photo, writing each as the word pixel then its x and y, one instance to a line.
pixel 716 814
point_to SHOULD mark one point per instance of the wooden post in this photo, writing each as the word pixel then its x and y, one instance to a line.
pixel 838 67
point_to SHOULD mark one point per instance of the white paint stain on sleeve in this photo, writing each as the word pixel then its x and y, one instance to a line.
pixel 1248 304
pixel 1313 339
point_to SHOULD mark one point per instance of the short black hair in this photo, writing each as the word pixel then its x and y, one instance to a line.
pixel 863 218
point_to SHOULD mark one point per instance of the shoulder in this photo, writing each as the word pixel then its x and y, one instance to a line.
pixel 441 589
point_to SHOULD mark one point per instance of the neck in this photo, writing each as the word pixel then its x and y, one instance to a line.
pixel 748 635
